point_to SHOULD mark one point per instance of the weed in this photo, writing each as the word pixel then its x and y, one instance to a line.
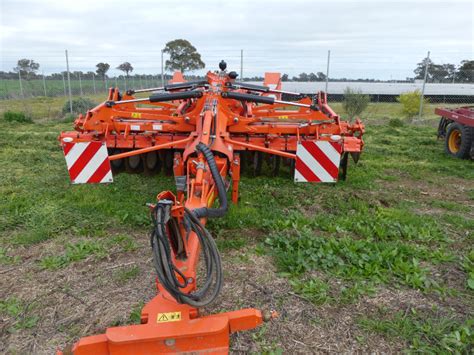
pixel 135 315
pixel 74 252
pixel 20 312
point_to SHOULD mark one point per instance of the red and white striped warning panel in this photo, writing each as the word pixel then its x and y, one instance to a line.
pixel 317 161
pixel 87 162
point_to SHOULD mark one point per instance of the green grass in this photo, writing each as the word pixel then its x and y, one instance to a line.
pixel 126 274
pixel 18 313
pixel 423 333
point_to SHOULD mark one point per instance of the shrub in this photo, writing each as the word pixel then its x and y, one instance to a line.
pixel 355 102
pixel 411 103
pixel 80 105
pixel 12 116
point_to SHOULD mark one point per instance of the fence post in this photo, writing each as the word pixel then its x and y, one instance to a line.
pixel 420 113
pixel 241 64
pixel 44 85
pixel 140 81
pixel 93 83
pixel 327 72
pixel 105 82
pixel 21 85
pixel 80 82
pixel 162 70
pixel 116 85
pixel 69 82
pixel 125 83
pixel 64 84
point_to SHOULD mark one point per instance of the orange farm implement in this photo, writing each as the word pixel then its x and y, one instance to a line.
pixel 202 131
pixel 456 127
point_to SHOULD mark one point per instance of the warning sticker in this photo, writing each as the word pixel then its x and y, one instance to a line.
pixel 136 115
pixel 168 317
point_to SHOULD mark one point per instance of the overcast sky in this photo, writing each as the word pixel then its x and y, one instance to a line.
pixel 376 39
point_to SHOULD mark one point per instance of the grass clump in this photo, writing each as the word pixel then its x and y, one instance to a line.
pixel 20 117
pixel 425 334
pixel 18 313
pixel 74 252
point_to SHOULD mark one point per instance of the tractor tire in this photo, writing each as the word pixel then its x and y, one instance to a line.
pixel 459 139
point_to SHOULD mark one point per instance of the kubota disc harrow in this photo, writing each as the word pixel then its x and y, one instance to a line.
pixel 204 132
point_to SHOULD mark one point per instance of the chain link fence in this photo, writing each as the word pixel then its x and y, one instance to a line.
pixel 435 83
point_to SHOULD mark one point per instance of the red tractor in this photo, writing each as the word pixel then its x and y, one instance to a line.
pixel 456 127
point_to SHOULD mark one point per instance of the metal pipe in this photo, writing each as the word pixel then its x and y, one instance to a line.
pixel 149 149
pixel 150 89
pixel 261 149
pixel 427 65
pixel 128 101
pixel 327 72
pixel 69 82
pixel 292 103
pixel 285 92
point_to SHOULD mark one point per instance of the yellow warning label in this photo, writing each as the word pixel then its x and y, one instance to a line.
pixel 168 317
pixel 136 115
pixel 282 117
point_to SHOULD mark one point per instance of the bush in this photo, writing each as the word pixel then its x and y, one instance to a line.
pixel 411 103
pixel 80 105
pixel 12 116
pixel 355 102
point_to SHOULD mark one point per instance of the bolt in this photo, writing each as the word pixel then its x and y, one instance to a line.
pixel 170 342
pixel 187 119
pixel 236 119
pixel 205 133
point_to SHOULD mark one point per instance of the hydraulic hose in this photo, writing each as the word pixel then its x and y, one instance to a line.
pixel 170 277
pixel 221 191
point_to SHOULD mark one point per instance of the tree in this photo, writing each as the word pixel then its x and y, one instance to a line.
pixel 303 77
pixel 126 67
pixel 420 68
pixel 465 72
pixel 312 77
pixel 183 56
pixel 284 77
pixel 436 72
pixel 321 76
pixel 102 69
pixel 26 68
pixel 355 102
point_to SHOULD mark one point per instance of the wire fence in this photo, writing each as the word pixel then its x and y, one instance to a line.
pixel 437 83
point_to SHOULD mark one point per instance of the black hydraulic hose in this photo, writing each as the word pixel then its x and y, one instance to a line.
pixel 192 94
pixel 248 97
pixel 186 85
pixel 221 191
pixel 248 86
pixel 167 271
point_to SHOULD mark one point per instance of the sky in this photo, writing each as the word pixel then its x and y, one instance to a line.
pixel 367 39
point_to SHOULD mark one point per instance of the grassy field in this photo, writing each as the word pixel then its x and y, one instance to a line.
pixel 10 89
pixel 383 262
